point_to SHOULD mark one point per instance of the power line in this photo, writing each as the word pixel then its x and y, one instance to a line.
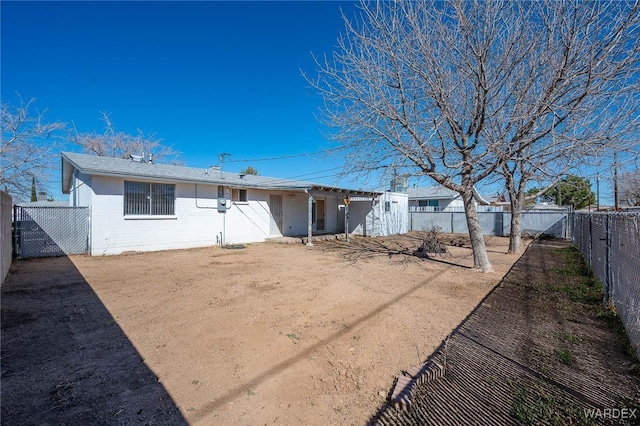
pixel 331 175
pixel 307 175
pixel 284 157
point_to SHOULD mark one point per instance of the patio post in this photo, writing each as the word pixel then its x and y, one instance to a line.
pixel 310 219
pixel 346 218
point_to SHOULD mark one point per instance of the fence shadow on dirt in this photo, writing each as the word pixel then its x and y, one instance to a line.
pixel 65 360
pixel 540 348
pixel 202 412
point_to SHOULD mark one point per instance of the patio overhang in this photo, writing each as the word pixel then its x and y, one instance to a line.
pixel 342 191
pixel 347 194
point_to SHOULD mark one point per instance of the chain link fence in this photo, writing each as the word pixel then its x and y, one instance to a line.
pixel 534 223
pixel 610 244
pixel 50 231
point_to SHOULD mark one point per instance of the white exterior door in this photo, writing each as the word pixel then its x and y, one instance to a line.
pixel 319 225
pixel 275 206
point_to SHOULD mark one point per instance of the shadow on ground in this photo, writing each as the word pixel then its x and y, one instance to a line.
pixel 539 349
pixel 65 360
pixel 402 247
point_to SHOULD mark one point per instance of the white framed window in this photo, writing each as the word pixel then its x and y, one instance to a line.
pixel 150 199
pixel 239 195
pixel 387 206
pixel 428 203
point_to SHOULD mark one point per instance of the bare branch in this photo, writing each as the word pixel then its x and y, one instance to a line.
pixel 460 90
pixel 27 148
pixel 113 143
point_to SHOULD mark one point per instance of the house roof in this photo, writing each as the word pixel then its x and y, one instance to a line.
pixel 431 192
pixel 116 167
pixel 439 193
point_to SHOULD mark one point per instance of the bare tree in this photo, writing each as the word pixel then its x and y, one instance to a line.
pixel 458 90
pixel 577 146
pixel 544 167
pixel 630 188
pixel 112 143
pixel 575 97
pixel 27 148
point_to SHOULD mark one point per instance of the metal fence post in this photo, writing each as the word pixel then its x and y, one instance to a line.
pixel 607 262
pixel 16 232
pixel 590 241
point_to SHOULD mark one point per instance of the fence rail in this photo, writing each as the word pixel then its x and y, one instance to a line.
pixel 493 223
pixel 479 208
pixel 610 244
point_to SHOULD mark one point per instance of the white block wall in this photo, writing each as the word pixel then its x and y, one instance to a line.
pixel 296 207
pixel 376 222
pixel 395 221
pixel 81 192
pixel 196 223
pixel 248 222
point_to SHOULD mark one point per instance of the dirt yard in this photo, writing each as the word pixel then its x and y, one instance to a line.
pixel 266 334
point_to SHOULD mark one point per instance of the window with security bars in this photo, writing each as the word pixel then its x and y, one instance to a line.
pixel 144 198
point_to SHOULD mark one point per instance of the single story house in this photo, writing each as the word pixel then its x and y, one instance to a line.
pixel 441 199
pixel 137 205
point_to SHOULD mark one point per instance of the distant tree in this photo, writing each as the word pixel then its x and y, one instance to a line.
pixel 538 194
pixel 572 191
pixel 630 188
pixel 112 143
pixel 249 171
pixel 34 194
pixel 27 147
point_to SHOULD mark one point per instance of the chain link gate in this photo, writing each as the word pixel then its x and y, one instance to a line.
pixel 50 231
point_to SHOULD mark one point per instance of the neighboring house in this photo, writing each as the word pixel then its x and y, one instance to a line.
pixel 547 206
pixel 142 206
pixel 440 199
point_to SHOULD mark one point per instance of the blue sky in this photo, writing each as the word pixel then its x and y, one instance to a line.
pixel 205 77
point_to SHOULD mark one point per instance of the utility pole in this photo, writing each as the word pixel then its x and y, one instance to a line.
pixel 221 157
pixel 598 192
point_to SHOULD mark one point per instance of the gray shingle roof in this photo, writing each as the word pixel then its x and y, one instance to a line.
pixel 439 193
pixel 431 192
pixel 117 167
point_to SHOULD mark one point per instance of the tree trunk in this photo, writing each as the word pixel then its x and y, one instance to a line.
pixel 480 257
pixel 515 235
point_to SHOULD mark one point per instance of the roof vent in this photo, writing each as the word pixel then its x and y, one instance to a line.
pixel 137 158
pixel 242 175
pixel 212 169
